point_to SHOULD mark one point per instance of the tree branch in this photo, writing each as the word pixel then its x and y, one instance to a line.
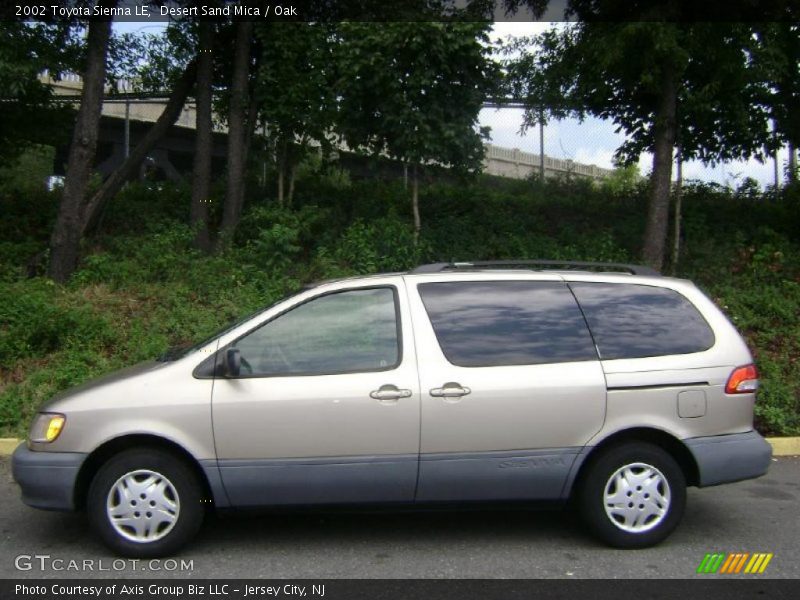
pixel 127 169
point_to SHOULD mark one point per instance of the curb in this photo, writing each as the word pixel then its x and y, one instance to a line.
pixel 781 446
pixel 8 445
pixel 785 446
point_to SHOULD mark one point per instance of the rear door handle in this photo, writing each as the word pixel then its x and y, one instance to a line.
pixel 389 392
pixel 450 390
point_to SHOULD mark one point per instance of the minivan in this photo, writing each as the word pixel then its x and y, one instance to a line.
pixel 453 383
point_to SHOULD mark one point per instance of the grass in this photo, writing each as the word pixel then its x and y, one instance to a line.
pixel 142 288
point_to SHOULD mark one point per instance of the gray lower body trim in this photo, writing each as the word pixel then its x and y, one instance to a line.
pixel 729 458
pixel 569 482
pixel 451 477
pixel 214 478
pixel 512 475
pixel 304 481
pixel 47 479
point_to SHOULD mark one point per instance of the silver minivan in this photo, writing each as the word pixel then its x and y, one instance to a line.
pixel 452 383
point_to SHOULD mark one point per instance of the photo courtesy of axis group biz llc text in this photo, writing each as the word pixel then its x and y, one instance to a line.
pixel 168 590
pixel 348 299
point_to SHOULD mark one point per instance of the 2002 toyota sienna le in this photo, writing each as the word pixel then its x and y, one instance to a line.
pixel 452 383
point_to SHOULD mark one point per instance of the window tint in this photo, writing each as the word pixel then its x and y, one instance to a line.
pixel 636 321
pixel 481 324
pixel 344 332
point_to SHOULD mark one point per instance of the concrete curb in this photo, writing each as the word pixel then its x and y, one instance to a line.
pixel 781 446
pixel 8 445
pixel 785 446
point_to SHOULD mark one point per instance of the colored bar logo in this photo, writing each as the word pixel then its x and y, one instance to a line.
pixel 735 563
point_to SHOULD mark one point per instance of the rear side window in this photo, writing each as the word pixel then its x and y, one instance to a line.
pixel 637 321
pixel 484 324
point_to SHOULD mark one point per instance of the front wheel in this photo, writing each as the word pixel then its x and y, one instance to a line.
pixel 633 495
pixel 145 503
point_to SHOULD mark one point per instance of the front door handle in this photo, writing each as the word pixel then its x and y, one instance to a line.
pixel 389 392
pixel 450 390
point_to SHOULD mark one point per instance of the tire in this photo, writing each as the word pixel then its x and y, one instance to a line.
pixel 646 492
pixel 134 481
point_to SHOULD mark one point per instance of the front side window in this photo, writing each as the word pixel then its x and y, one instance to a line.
pixel 494 323
pixel 343 332
pixel 638 321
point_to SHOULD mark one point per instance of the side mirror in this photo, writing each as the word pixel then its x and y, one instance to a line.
pixel 233 362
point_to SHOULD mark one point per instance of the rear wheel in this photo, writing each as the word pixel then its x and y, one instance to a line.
pixel 145 503
pixel 633 495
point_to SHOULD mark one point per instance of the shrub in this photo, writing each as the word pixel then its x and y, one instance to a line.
pixel 142 287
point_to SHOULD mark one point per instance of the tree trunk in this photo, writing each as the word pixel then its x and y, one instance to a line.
pixel 252 122
pixel 237 132
pixel 66 237
pixel 281 164
pixel 791 169
pixel 415 202
pixel 292 176
pixel 541 146
pixel 655 237
pixel 201 170
pixel 676 243
pixel 130 166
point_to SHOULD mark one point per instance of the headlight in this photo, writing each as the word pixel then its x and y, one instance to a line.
pixel 46 427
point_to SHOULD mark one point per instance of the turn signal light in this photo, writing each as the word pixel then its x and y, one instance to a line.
pixel 54 428
pixel 46 427
pixel 743 380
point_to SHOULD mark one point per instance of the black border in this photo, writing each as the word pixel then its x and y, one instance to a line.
pixel 743 587
pixel 610 11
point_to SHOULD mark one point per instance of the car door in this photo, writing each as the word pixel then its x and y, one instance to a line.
pixel 326 406
pixel 512 387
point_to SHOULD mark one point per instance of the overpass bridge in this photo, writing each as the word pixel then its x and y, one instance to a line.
pixel 126 117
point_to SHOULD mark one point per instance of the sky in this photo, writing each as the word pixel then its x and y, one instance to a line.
pixel 591 142
pixel 594 141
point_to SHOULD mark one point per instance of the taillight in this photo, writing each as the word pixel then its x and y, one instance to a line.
pixel 743 380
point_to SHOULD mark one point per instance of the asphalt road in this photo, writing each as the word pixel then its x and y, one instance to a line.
pixel 753 516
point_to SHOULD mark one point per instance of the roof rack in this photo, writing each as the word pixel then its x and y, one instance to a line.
pixel 546 264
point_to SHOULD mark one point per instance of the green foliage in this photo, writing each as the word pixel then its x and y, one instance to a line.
pixel 379 246
pixel 776 55
pixel 30 170
pixel 141 287
pixel 39 319
pixel 295 87
pixel 312 168
pixel 29 115
pixel 413 90
pixel 618 70
pixel 623 180
pixel 272 237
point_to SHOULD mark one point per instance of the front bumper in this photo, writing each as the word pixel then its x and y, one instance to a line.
pixel 47 479
pixel 728 458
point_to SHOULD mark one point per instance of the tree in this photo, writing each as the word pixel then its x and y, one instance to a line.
pixel 295 92
pixel 113 184
pixel 237 131
pixel 65 240
pixel 29 114
pixel 662 83
pixel 201 179
pixel 413 91
pixel 776 52
pixel 171 61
